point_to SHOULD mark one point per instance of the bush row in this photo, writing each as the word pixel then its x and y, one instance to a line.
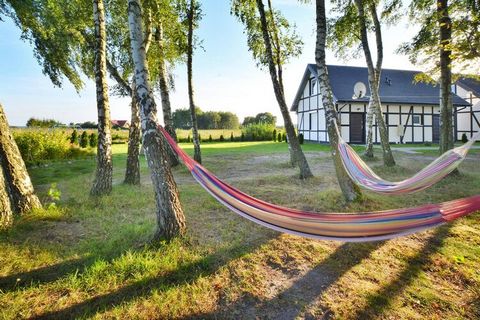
pixel 44 145
pixel 251 132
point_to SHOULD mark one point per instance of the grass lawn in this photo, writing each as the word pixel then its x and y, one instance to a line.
pixel 91 258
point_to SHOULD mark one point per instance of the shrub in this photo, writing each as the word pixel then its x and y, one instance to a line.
pixel 41 145
pixel 210 138
pixel 222 139
pixel 300 138
pixel 189 139
pixel 279 138
pixel 199 138
pixel 427 143
pixel 93 140
pixel 464 138
pixel 274 135
pixel 284 137
pixel 231 137
pixel 258 132
pixel 84 140
pixel 242 137
pixel 74 137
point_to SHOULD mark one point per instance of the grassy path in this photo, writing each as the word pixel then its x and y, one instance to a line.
pixel 92 258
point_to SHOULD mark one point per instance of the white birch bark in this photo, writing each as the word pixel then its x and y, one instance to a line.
pixel 103 174
pixel 170 217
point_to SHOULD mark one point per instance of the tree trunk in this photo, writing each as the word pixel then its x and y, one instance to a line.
pixel 197 155
pixel 370 115
pixel 164 92
pixel 170 217
pixel 294 145
pixel 6 215
pixel 103 175
pixel 132 173
pixel 374 80
pixel 350 191
pixel 446 107
pixel 18 181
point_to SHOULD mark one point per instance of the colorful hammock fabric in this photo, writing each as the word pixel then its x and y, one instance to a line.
pixel 362 175
pixel 348 227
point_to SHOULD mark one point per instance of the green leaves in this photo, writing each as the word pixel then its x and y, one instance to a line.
pixel 286 43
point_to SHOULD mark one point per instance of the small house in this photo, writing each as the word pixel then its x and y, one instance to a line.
pixel 411 109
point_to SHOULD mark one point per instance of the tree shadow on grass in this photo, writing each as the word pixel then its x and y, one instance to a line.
pixel 378 303
pixel 42 275
pixel 289 303
pixel 186 273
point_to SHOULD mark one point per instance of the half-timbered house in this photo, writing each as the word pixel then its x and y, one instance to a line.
pixel 411 109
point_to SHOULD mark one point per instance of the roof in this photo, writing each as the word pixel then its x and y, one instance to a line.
pixel 119 123
pixel 396 86
pixel 470 84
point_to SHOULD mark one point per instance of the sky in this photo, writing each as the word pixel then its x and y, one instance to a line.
pixel 225 75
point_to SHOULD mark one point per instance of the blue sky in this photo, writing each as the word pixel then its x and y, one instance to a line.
pixel 225 75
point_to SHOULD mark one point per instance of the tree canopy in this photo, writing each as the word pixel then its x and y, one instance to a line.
pixel 465 43
pixel 206 120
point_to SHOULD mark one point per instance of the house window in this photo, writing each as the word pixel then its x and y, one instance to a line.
pixel 310 121
pixel 313 84
pixel 417 119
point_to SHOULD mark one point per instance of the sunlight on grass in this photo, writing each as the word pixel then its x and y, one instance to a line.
pixel 92 258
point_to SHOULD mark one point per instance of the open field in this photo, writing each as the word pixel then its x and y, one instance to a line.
pixel 91 258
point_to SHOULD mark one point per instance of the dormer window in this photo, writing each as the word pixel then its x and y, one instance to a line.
pixel 313 86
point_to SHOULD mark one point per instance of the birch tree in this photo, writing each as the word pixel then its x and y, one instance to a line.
pixel 272 41
pixel 170 217
pixel 6 214
pixel 103 174
pixel 347 31
pixel 17 179
pixel 193 16
pixel 350 191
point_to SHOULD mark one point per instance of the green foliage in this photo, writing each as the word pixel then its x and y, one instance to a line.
pixel 424 48
pixel 88 125
pixel 264 117
pixel 74 137
pixel 300 138
pixel 54 29
pixel 222 138
pixel 205 120
pixel 286 43
pixel 43 123
pixel 284 137
pixel 242 137
pixel 83 140
pixel 231 137
pixel 210 138
pixel 93 140
pixel 41 145
pixel 279 137
pixel 464 138
pixel 258 132
pixel 274 135
pixel 189 139
pixel 53 196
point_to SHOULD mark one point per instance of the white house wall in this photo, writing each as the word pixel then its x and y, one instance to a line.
pixel 468 119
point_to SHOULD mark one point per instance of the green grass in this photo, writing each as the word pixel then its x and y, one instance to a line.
pixel 92 258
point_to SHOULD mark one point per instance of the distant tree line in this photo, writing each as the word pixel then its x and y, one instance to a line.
pixel 206 120
pixel 43 123
pixel 261 118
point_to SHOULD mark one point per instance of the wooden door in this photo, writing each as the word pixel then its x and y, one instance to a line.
pixel 436 128
pixel 357 128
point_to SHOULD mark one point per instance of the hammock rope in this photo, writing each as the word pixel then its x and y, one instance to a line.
pixel 348 227
pixel 362 175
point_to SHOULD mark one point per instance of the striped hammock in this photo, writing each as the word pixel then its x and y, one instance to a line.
pixel 363 175
pixel 349 227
